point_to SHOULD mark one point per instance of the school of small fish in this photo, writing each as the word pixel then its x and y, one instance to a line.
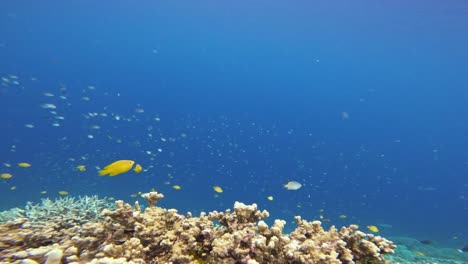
pixel 107 148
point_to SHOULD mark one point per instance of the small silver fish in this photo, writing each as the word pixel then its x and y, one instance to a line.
pixel 293 185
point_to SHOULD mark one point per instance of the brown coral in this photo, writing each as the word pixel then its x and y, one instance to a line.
pixel 158 235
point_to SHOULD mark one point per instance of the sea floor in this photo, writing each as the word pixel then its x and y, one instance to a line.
pixel 410 250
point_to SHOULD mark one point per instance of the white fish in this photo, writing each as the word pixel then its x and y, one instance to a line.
pixel 292 185
pixel 48 94
pixel 29 125
pixel 48 106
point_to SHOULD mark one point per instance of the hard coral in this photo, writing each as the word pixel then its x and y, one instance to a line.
pixel 158 235
pixel 65 212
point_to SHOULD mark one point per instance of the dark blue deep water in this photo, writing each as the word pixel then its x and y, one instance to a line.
pixel 365 103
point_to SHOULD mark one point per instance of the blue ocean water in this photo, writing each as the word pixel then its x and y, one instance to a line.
pixel 362 102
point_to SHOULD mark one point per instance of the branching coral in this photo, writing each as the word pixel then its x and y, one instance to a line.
pixel 65 212
pixel 158 235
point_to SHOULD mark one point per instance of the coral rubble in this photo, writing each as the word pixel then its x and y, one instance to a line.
pixel 157 235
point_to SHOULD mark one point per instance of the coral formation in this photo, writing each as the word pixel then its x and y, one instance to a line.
pixel 157 235
pixel 65 212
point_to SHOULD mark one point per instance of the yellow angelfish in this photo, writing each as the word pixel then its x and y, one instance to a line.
pixel 24 165
pixel 118 167
pixel 138 168
pixel 373 228
pixel 217 189
pixel 6 176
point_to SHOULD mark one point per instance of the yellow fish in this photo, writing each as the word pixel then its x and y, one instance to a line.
pixel 419 253
pixel 63 192
pixel 270 198
pixel 373 228
pixel 217 189
pixel 24 165
pixel 176 187
pixel 81 168
pixel 118 167
pixel 343 216
pixel 6 176
pixel 138 168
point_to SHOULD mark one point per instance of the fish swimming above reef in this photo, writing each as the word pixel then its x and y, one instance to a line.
pixel 6 176
pixel 292 185
pixel 217 189
pixel 137 168
pixel 426 242
pixel 373 228
pixel 24 165
pixel 117 167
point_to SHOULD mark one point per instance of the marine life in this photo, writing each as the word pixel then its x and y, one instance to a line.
pixel 24 165
pixel 217 189
pixel 81 168
pixel 117 167
pixel 373 228
pixel 343 216
pixel 419 253
pixel 6 176
pixel 270 198
pixel 48 106
pixel 426 242
pixel 138 168
pixel 80 213
pixel 176 187
pixel 63 192
pixel 292 185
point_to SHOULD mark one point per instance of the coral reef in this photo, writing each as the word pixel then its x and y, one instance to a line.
pixel 65 212
pixel 157 235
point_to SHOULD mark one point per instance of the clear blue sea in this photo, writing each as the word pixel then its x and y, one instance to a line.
pixel 365 103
